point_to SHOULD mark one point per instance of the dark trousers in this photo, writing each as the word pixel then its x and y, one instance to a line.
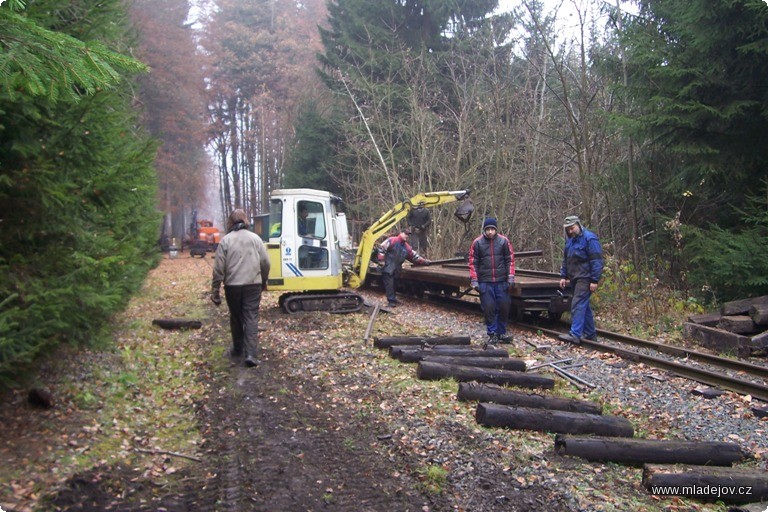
pixel 495 301
pixel 582 320
pixel 243 302
pixel 390 285
pixel 419 242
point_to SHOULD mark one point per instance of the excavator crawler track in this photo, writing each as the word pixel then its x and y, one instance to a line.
pixel 333 302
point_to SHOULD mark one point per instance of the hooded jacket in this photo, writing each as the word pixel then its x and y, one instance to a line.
pixel 241 259
pixel 491 260
pixel 582 257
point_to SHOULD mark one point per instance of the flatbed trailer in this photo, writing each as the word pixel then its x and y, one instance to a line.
pixel 534 292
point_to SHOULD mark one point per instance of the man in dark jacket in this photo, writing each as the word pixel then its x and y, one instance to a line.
pixel 419 219
pixel 581 269
pixel 392 253
pixel 491 273
pixel 242 264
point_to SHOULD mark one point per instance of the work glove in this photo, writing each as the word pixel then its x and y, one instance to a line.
pixel 511 280
pixel 475 285
pixel 215 297
pixel 427 262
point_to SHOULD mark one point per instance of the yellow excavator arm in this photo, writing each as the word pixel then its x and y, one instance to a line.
pixel 355 276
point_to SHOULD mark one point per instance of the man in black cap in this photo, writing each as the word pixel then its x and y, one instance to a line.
pixel 491 273
pixel 392 253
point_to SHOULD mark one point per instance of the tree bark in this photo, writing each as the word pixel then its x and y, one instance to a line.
pixel 642 451
pixel 543 420
pixel 409 354
pixel 395 341
pixel 705 483
pixel 502 363
pixel 437 371
pixel 499 395
pixel 177 323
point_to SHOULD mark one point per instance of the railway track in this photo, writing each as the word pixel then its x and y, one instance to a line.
pixel 713 375
pixel 706 376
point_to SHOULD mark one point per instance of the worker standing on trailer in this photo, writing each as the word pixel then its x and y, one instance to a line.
pixel 419 220
pixel 392 253
pixel 242 264
pixel 492 273
pixel 581 270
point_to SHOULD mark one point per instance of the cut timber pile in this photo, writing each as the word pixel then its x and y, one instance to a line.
pixel 642 451
pixel 740 327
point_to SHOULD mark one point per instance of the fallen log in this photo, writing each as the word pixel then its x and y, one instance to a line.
pixel 393 341
pixel 412 355
pixel 740 324
pixel 177 323
pixel 544 420
pixel 437 371
pixel 759 314
pixel 469 391
pixel 501 363
pixel 643 451
pixel 705 483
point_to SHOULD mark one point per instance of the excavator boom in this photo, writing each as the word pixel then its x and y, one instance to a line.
pixel 355 275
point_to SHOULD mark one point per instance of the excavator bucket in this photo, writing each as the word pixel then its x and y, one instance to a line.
pixel 464 210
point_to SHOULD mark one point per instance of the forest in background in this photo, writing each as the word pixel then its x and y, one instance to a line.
pixel 646 124
pixel 119 118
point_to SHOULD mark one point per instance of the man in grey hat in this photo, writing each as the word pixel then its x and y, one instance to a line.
pixel 581 270
pixel 242 264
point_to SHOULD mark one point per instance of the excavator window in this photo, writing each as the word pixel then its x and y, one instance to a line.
pixel 275 218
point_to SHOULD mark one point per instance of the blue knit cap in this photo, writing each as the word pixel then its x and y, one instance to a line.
pixel 489 222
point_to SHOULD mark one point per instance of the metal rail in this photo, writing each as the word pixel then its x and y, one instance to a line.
pixel 756 390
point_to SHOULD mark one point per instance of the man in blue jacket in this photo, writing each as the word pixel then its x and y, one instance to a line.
pixel 491 273
pixel 581 269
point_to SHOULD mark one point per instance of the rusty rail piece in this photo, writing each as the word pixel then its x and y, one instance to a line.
pixel 704 376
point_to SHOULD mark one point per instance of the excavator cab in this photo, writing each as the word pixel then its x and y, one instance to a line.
pixel 304 242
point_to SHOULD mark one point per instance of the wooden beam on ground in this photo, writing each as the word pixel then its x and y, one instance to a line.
pixel 417 341
pixel 759 313
pixel 177 323
pixel 707 483
pixel 643 451
pixel 740 307
pixel 740 324
pixel 414 354
pixel 544 420
pixel 472 391
pixel 501 363
pixel 437 371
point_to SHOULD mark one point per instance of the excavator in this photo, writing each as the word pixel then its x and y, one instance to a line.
pixel 311 252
